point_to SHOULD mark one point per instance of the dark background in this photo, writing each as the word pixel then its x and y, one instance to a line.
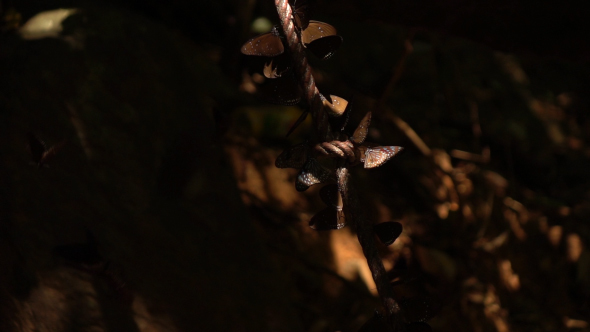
pixel 169 164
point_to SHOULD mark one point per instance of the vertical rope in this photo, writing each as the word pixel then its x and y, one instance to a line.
pixel 362 225
pixel 303 72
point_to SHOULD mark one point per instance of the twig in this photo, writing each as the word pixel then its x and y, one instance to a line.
pixel 409 132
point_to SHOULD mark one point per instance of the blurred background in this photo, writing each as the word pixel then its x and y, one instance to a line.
pixel 163 210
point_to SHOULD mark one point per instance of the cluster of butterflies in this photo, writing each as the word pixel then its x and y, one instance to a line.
pixel 353 150
pixel 318 37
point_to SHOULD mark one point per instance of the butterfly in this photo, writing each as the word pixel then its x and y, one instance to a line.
pixel 376 156
pixel 301 11
pixel 388 232
pixel 331 217
pixel 329 194
pixel 293 157
pixel 41 155
pixel 328 219
pixel 360 133
pixel 311 173
pixel 281 91
pixel 339 110
pixel 269 44
pixel 336 105
pixel 316 30
pixel 321 39
pixel 324 48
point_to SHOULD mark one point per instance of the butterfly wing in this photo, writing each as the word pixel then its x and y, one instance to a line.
pixel 36 147
pixel 339 110
pixel 268 44
pixel 324 48
pixel 311 173
pixel 360 133
pixel 330 195
pixel 388 232
pixel 300 13
pixel 281 91
pixel 292 157
pixel 336 105
pixel 316 30
pixel 377 156
pixel 328 219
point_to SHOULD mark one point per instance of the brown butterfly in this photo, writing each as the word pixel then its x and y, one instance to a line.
pixel 281 91
pixel 316 30
pixel 360 133
pixel 331 217
pixel 269 44
pixel 39 152
pixel 324 48
pixel 388 232
pixel 301 11
pixel 329 194
pixel 376 156
pixel 339 110
pixel 311 173
pixel 321 39
pixel 328 219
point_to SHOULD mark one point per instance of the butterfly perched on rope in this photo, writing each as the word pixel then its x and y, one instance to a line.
pixel 281 91
pixel 301 10
pixel 40 154
pixel 388 232
pixel 371 156
pixel 376 156
pixel 321 39
pixel 332 216
pixel 268 44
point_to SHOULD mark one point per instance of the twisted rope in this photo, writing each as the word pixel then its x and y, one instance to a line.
pixel 343 150
pixel 303 74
